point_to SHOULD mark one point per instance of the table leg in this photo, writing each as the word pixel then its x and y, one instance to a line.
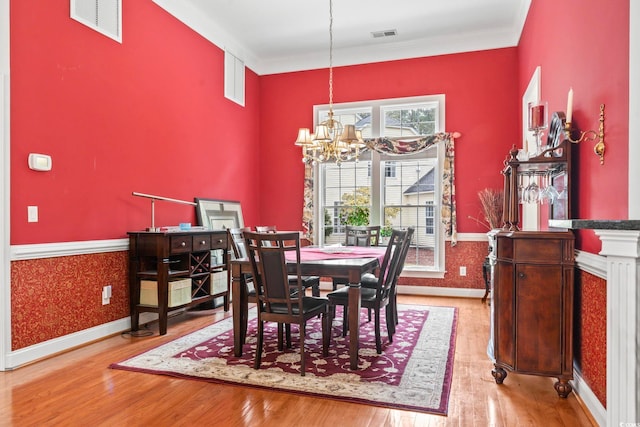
pixel 240 308
pixel 354 318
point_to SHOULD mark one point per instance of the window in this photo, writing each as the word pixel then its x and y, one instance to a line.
pixel 390 169
pixel 429 217
pixel 394 191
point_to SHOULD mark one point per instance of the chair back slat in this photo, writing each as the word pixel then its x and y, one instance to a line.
pixel 368 235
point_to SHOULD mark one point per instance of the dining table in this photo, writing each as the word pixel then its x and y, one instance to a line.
pixel 347 262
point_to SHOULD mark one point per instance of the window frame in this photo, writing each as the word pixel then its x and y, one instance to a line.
pixel 377 108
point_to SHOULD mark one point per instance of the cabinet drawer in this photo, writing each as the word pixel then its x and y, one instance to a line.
pixel 201 242
pixel 180 244
pixel 538 250
pixel 219 241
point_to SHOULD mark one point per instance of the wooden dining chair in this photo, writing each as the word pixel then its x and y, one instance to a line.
pixel 369 280
pixel 312 282
pixel 358 235
pixel 378 297
pixel 362 235
pixel 267 254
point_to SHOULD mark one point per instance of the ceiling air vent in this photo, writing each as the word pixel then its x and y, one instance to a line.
pixel 385 33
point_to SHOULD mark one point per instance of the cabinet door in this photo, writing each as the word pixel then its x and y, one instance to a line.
pixel 539 320
pixel 503 291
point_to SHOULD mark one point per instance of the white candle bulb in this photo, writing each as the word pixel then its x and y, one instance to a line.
pixel 570 105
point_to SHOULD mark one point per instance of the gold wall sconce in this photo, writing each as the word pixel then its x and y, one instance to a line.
pixel 589 135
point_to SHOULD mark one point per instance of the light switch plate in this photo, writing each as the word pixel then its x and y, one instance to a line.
pixel 32 214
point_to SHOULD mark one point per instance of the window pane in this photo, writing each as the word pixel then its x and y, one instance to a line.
pixel 347 197
pixel 409 199
pixel 408 120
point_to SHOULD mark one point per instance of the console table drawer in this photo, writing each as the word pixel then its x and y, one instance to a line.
pixel 201 242
pixel 219 241
pixel 180 244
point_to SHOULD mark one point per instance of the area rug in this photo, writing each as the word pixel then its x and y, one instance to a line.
pixel 414 372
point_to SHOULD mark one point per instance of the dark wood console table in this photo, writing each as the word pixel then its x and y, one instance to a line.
pixel 163 257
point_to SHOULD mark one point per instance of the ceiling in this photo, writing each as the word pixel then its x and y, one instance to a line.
pixel 291 35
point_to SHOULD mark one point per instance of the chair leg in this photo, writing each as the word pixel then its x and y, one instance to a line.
pixel 303 335
pixel 280 346
pixel 332 315
pixel 378 338
pixel 345 320
pixel 369 310
pixel 390 320
pixel 259 345
pixel 326 333
pixel 395 307
pixel 287 328
pixel 315 289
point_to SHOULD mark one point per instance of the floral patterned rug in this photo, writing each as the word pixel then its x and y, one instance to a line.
pixel 414 372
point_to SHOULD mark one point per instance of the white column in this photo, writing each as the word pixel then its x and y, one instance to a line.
pixel 622 251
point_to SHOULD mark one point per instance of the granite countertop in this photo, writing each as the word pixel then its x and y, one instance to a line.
pixel 596 224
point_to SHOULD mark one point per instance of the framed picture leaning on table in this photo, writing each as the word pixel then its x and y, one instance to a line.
pixel 219 214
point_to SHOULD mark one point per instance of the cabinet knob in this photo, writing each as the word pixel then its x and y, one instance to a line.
pixel 183 244
pixel 202 242
pixel 521 275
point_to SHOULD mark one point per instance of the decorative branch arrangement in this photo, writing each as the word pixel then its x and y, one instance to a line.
pixel 491 202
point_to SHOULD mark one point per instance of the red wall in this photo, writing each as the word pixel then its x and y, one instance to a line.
pixel 147 115
pixel 586 48
pixel 482 103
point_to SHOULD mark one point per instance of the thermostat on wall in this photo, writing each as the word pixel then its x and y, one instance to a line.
pixel 39 162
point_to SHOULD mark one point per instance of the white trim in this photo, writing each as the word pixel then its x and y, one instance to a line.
pixel 5 194
pixel 592 263
pixel 52 250
pixel 471 237
pixel 590 401
pixel 193 18
pixel 48 348
pixel 468 41
pixel 441 292
pixel 634 110
pixel 622 250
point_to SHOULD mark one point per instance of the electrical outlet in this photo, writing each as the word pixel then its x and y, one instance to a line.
pixel 463 270
pixel 106 295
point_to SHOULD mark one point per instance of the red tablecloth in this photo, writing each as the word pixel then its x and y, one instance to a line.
pixel 338 252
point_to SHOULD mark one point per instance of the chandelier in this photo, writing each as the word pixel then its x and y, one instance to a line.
pixel 331 141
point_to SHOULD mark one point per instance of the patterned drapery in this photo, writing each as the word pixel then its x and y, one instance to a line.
pixel 401 146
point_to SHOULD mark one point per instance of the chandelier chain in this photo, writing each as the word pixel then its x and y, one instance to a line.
pixel 331 55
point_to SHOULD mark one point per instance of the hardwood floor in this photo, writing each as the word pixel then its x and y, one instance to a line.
pixel 78 389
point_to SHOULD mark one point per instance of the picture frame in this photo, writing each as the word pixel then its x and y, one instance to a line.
pixel 219 214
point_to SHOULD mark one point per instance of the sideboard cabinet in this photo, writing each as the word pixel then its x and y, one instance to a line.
pixel 532 305
pixel 191 260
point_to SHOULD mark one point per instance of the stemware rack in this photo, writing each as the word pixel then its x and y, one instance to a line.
pixel 554 162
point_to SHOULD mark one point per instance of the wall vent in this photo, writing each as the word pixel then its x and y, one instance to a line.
pixel 385 33
pixel 233 78
pixel 104 16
